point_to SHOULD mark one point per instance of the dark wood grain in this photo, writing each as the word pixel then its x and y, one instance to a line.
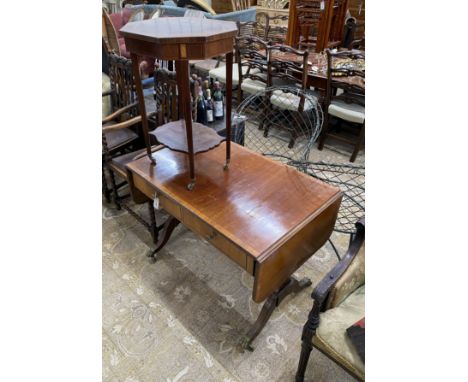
pixel 179 38
pixel 259 209
pixel 172 135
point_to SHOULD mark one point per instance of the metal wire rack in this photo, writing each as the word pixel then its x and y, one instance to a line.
pixel 279 122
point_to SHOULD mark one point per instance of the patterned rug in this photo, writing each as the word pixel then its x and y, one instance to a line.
pixel 180 318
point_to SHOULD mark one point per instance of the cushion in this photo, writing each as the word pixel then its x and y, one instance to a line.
pixel 331 336
pixel 349 281
pixel 220 73
pixel 290 101
pixel 357 335
pixel 252 86
pixel 106 101
pixel 351 112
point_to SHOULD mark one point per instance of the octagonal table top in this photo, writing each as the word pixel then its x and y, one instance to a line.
pixel 177 30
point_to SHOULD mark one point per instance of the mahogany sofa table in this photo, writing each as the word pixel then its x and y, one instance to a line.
pixel 183 39
pixel 265 216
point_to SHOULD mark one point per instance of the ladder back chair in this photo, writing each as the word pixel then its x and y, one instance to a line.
pixel 252 64
pixel 288 67
pixel 120 140
pixel 345 96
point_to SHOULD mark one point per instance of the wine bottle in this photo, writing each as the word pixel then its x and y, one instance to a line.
pixel 209 107
pixel 201 107
pixel 218 101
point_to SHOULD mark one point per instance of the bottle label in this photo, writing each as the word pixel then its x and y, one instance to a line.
pixel 209 116
pixel 218 108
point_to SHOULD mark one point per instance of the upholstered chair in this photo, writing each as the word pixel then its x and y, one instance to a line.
pixel 338 304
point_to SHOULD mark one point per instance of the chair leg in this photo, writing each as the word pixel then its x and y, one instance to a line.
pixel 105 189
pixel 303 360
pixel 115 194
pixel 153 226
pixel 358 144
pixel 323 136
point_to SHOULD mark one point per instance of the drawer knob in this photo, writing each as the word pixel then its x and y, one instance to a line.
pixel 212 236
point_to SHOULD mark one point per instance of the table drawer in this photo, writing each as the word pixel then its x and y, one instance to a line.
pixel 170 207
pixel 215 238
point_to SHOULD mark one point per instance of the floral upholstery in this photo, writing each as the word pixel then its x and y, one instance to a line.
pixel 353 278
pixel 331 335
pixel 106 101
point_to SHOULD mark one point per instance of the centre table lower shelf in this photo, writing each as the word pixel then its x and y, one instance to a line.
pixel 173 135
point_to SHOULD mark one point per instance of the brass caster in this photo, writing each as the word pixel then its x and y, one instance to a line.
pixel 151 257
pixel 244 344
pixel 190 186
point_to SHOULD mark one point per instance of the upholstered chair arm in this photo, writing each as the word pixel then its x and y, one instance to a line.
pixel 122 110
pixel 323 288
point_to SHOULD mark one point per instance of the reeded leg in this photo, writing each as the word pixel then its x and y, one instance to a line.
pixel 169 226
pixel 291 286
pixel 303 360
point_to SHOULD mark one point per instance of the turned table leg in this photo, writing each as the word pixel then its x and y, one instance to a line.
pixel 293 285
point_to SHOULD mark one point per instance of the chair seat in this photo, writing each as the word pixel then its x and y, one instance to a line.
pixel 331 334
pixel 106 101
pixel 252 86
pixel 119 138
pixel 290 101
pixel 220 73
pixel 351 112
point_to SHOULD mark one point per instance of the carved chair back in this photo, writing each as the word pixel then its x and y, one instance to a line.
pixel 166 96
pixel 345 70
pixel 276 34
pixel 122 82
pixel 251 53
pixel 288 64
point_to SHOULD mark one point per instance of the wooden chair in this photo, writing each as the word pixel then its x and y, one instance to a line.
pixel 166 96
pixel 345 96
pixel 338 304
pixel 245 29
pixel 109 34
pixel 120 140
pixel 286 69
pixel 252 64
pixel 276 34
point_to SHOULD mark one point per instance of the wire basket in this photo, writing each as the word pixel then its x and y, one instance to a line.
pixel 279 122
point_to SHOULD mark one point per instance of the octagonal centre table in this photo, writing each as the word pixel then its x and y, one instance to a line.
pixel 182 39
